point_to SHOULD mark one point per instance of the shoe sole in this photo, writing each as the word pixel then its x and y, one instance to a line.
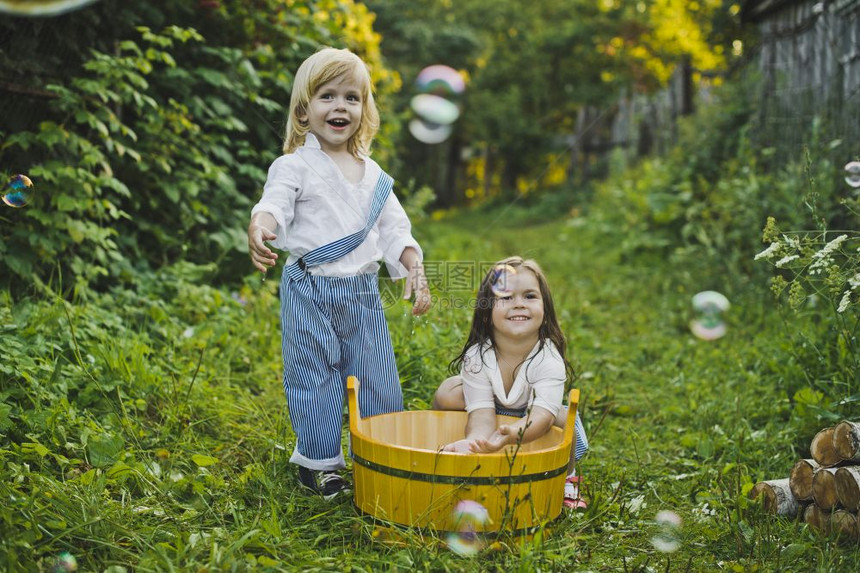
pixel 574 504
pixel 331 496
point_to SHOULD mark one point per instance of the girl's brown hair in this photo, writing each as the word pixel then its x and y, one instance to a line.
pixel 322 67
pixel 482 319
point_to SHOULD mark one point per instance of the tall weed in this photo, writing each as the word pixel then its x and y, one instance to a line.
pixel 816 284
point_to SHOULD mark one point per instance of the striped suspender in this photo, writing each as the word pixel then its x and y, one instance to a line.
pixel 337 249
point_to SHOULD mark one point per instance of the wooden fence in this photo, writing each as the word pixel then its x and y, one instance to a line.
pixel 805 68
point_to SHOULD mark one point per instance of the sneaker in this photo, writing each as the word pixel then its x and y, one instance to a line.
pixel 326 483
pixel 572 499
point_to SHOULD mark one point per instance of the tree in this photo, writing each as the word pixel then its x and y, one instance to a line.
pixel 533 66
pixel 149 138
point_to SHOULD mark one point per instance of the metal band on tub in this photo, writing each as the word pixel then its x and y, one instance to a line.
pixel 456 480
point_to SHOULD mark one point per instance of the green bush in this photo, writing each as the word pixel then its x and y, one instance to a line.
pixel 817 285
pixel 706 199
pixel 154 150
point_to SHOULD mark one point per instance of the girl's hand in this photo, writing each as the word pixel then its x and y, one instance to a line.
pixel 261 255
pixel 502 437
pixel 416 283
pixel 463 446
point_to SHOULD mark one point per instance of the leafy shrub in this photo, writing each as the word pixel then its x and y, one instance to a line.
pixel 155 150
pixel 817 283
pixel 706 199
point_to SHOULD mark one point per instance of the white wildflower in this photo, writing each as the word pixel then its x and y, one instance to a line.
pixel 854 281
pixel 792 242
pixel 786 260
pixel 705 510
pixel 829 247
pixel 843 304
pixel 769 252
pixel 636 504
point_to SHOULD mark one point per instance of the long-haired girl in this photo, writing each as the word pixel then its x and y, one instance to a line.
pixel 513 363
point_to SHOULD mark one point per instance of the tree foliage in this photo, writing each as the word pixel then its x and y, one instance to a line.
pixel 148 141
pixel 532 66
pixel 147 126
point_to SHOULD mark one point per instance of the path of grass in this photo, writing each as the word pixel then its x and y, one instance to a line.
pixel 159 441
pixel 676 423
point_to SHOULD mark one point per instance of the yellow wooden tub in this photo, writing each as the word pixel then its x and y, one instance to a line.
pixel 401 477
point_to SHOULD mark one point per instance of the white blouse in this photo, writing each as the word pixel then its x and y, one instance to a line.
pixel 314 204
pixel 539 381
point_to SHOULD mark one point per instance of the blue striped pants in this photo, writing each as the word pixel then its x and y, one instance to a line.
pixel 333 327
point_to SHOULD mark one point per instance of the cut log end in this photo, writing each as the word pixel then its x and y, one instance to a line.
pixel 800 479
pixel 778 498
pixel 846 440
pixel 847 482
pixel 844 524
pixel 817 518
pixel 824 488
pixel 822 449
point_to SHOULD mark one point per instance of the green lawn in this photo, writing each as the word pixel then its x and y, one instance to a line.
pixel 146 430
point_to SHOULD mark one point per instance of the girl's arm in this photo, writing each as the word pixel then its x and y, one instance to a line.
pixel 480 426
pixel 548 374
pixel 532 426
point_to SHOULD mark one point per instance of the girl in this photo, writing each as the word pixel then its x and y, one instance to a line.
pixel 331 206
pixel 513 363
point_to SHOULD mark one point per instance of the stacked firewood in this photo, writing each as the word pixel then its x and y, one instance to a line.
pixel 824 490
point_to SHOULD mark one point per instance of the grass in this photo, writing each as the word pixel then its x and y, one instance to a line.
pixel 146 430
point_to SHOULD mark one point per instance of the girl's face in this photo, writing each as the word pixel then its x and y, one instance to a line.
pixel 334 113
pixel 518 306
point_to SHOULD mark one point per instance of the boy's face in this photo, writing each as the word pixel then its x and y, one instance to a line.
pixel 334 113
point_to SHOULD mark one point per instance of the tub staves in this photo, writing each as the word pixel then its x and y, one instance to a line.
pixel 401 476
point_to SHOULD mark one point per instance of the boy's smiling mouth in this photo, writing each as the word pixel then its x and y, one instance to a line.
pixel 338 122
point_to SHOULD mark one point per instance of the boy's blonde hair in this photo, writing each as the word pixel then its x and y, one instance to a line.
pixel 322 67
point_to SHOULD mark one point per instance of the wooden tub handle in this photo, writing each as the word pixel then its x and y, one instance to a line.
pixel 570 425
pixel 352 385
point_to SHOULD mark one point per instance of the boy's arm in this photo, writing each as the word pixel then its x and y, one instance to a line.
pixel 261 229
pixel 416 282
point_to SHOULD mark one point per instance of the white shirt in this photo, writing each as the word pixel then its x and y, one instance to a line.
pixel 314 204
pixel 539 381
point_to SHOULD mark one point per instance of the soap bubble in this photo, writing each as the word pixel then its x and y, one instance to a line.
pixel 440 80
pixel 668 536
pixel 709 307
pixel 427 132
pixel 435 112
pixel 469 519
pixel 18 191
pixel 435 109
pixel 64 562
pixel 42 7
pixel 499 282
pixel 852 174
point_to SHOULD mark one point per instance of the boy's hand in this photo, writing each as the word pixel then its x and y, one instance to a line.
pixel 261 255
pixel 416 283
